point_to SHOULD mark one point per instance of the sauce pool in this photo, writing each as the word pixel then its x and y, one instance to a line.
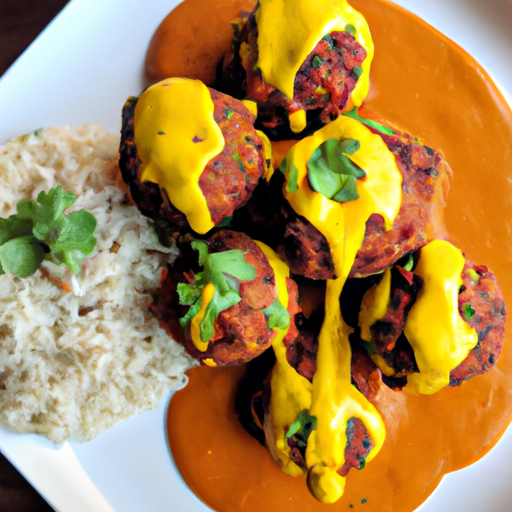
pixel 422 81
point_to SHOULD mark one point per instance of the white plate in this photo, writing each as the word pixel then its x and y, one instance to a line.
pixel 81 69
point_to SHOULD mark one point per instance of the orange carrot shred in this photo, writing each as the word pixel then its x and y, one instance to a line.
pixel 163 276
pixel 52 278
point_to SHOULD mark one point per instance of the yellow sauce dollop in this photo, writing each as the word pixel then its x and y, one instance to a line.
pixel 439 336
pixel 375 305
pixel 176 136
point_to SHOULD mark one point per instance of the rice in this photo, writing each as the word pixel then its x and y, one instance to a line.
pixel 74 363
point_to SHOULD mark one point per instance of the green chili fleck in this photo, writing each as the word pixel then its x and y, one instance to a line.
pixel 473 275
pixel 357 71
pixel 469 311
pixel 316 62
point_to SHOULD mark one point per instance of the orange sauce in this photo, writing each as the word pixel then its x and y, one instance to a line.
pixel 422 81
pixel 192 39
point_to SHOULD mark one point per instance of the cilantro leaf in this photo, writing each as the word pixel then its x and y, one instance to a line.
pixel 277 316
pixel 192 312
pixel 219 303
pixel 292 184
pixel 73 239
pixel 222 269
pixel 332 173
pixel 40 230
pixel 300 430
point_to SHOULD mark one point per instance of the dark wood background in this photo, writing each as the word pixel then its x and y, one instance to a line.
pixel 20 23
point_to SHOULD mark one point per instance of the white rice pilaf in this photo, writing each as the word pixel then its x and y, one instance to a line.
pixel 74 363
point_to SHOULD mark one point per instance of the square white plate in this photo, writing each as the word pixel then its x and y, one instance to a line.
pixel 81 69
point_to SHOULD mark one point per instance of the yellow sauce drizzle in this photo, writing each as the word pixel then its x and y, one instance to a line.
pixel 176 136
pixel 267 155
pixel 251 106
pixel 289 30
pixel 195 328
pixel 373 308
pixel 289 388
pixel 439 336
pixel 375 305
pixel 334 399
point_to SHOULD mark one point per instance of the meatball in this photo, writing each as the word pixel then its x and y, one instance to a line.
pixel 235 322
pixel 425 186
pixel 227 180
pixel 480 304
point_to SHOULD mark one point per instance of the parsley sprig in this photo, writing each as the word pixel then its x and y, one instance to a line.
pixel 40 231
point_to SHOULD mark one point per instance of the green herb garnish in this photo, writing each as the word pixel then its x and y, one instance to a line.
pixel 350 29
pixel 409 263
pixel 332 173
pixel 41 231
pixel 292 183
pixel 277 316
pixel 368 122
pixel 357 71
pixel 221 269
pixel 473 275
pixel 469 311
pixel 316 62
pixel 300 430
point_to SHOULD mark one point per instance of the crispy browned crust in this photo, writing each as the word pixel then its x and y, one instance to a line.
pixel 227 180
pixel 488 303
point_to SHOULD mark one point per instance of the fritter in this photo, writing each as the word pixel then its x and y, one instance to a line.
pixel 320 85
pixel 227 179
pixel 323 83
pixel 359 443
pixel 301 355
pixel 426 181
pixel 480 304
pixel 225 288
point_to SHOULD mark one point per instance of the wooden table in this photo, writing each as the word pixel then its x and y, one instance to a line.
pixel 20 23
